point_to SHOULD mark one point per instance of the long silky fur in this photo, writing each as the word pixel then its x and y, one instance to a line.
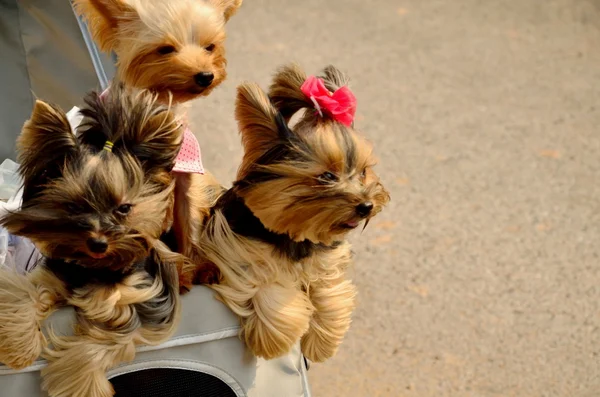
pixel 266 296
pixel 142 310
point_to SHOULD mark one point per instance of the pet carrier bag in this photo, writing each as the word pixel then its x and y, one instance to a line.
pixel 205 358
pixel 47 53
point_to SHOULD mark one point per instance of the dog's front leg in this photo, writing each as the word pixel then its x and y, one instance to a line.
pixel 78 364
pixel 111 322
pixel 334 304
pixel 333 297
pixel 105 337
pixel 281 316
pixel 273 317
pixel 25 302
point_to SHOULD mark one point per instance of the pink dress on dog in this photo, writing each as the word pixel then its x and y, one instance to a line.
pixel 189 158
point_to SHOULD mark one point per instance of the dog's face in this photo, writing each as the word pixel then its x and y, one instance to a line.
pixel 314 182
pixel 90 205
pixel 101 212
pixel 175 45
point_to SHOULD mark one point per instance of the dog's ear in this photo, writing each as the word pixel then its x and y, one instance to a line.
pixel 228 7
pixel 46 143
pixel 257 120
pixel 104 18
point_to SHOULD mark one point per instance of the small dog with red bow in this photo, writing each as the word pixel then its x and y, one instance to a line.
pixel 278 236
pixel 175 49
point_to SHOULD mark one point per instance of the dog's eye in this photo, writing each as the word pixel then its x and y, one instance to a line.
pixel 124 209
pixel 363 173
pixel 165 50
pixel 210 48
pixel 328 177
pixel 74 208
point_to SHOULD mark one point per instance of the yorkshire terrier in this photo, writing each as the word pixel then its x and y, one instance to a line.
pixel 97 204
pixel 174 47
pixel 278 236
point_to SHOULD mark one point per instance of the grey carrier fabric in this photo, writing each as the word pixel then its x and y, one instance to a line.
pixel 205 358
pixel 45 52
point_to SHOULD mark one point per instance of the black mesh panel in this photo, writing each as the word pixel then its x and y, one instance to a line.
pixel 168 382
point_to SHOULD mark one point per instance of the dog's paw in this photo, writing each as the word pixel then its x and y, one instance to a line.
pixel 331 320
pixel 22 307
pixel 207 273
pixel 185 284
pixel 281 316
pixel 92 385
pixel 20 348
pixel 77 365
pixel 317 347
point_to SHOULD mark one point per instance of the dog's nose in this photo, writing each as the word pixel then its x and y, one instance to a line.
pixel 203 79
pixel 97 245
pixel 364 209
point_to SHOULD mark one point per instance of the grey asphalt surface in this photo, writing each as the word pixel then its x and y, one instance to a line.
pixel 482 277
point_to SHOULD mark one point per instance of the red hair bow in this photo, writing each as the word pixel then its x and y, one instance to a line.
pixel 341 104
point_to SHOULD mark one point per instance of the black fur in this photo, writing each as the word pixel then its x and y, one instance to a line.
pixel 77 276
pixel 157 311
pixel 170 239
pixel 243 222
pixel 161 309
pixel 282 128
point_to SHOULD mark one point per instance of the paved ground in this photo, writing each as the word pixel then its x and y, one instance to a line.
pixel 482 277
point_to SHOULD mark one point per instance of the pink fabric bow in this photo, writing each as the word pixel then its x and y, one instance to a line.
pixel 341 105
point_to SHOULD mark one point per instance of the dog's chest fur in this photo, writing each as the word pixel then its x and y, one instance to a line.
pixel 303 258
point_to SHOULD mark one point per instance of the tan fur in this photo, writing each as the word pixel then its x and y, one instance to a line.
pixel 288 293
pixel 324 150
pixel 104 17
pixel 257 128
